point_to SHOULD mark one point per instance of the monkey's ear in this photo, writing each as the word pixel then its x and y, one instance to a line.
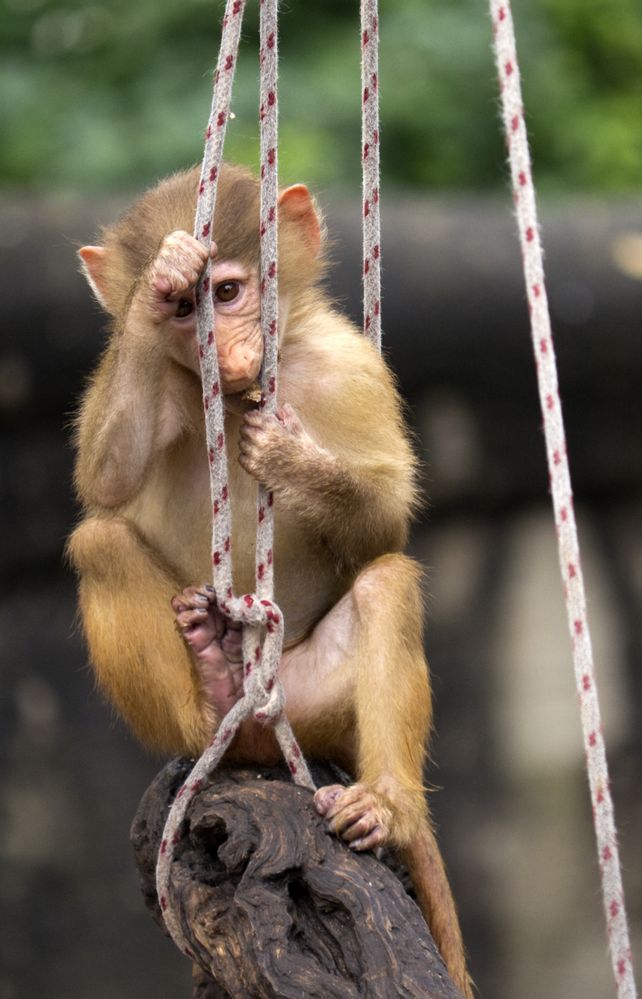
pixel 93 260
pixel 296 204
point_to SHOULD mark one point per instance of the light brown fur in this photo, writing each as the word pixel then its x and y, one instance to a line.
pixel 354 671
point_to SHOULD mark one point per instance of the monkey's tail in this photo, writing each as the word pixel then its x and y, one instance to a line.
pixel 434 897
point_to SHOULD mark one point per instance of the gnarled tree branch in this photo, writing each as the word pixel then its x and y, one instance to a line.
pixel 273 905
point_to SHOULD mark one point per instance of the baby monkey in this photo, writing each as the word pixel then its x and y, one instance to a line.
pixel 337 458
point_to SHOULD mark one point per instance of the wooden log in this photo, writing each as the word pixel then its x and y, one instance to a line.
pixel 273 905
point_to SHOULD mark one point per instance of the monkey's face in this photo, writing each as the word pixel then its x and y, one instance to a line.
pixel 235 296
pixel 147 269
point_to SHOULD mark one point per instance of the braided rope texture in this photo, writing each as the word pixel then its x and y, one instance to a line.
pixel 370 171
pixel 569 555
pixel 262 620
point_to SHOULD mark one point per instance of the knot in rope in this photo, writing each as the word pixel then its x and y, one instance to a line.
pixel 250 609
pixel 263 691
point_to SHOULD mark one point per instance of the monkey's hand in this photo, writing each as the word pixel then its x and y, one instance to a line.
pixel 166 288
pixel 274 447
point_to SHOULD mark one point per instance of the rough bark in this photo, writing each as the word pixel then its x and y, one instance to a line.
pixel 273 905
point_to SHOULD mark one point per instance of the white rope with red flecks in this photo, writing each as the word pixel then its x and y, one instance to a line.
pixel 261 618
pixel 370 171
pixel 569 555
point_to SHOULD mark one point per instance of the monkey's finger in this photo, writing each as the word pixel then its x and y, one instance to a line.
pixel 326 797
pixel 178 269
pixel 288 418
pixel 177 251
pixel 182 279
pixel 179 236
pixel 361 827
pixel 350 795
pixel 166 290
pixel 195 256
pixel 250 435
pixel 251 431
pixel 183 601
pixel 194 596
pixel 246 454
pixel 161 284
pixel 251 453
pixel 377 837
pixel 254 418
pixel 286 413
pixel 350 814
pixel 190 618
pixel 184 242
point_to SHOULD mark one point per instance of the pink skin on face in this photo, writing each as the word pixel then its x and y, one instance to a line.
pixel 235 294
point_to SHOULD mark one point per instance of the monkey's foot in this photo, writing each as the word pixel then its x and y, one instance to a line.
pixel 215 642
pixel 358 814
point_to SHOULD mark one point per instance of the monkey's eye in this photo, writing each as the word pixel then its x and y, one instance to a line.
pixel 185 307
pixel 227 291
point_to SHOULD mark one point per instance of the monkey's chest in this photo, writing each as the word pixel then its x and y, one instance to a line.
pixel 305 584
pixel 174 517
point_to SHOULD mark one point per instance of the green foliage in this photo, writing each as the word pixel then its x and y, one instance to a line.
pixel 113 94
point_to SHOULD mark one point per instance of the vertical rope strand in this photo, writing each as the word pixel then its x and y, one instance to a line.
pixel 215 441
pixel 569 555
pixel 269 290
pixel 269 287
pixel 262 620
pixel 370 171
pixel 205 206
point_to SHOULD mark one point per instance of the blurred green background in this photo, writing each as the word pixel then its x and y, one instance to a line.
pixel 113 95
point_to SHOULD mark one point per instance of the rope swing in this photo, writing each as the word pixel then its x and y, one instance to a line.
pixel 261 618
pixel 562 494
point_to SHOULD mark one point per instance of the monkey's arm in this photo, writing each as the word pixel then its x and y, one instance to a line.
pixel 126 416
pixel 340 458
pixel 138 400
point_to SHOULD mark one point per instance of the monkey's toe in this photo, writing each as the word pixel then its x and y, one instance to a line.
pixel 326 797
pixel 378 836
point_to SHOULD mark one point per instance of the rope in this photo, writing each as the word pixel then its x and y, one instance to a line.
pixel 569 554
pixel 370 171
pixel 262 620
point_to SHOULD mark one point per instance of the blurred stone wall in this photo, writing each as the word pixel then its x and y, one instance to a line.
pixel 512 807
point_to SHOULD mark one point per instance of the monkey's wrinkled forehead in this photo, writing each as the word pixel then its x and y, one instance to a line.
pixel 171 205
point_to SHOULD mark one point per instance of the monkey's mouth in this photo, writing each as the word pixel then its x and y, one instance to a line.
pixel 252 393
pixel 239 402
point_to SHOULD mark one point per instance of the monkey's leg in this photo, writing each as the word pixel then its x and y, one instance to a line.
pixel 140 661
pixel 391 699
pixel 368 652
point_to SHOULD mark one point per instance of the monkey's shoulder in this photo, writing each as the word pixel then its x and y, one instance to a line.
pixel 333 360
